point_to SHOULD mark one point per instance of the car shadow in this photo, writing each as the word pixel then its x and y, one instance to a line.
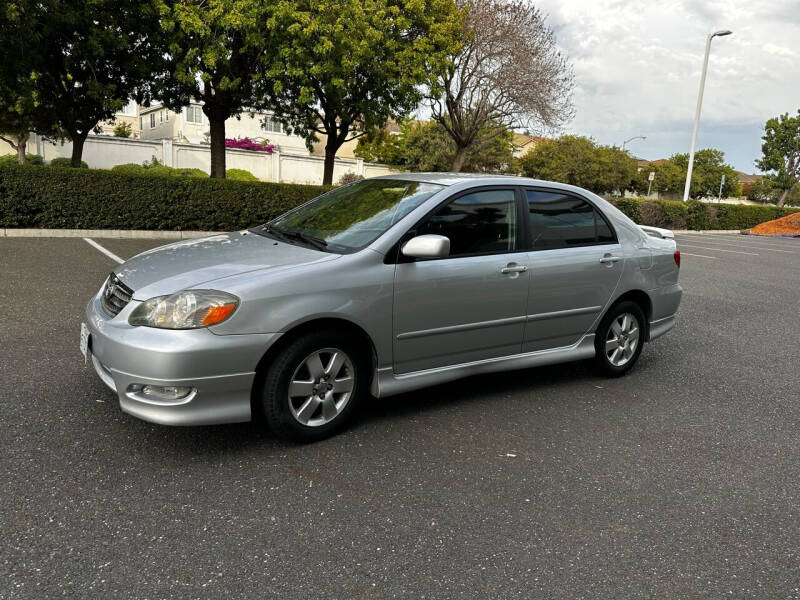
pixel 226 440
pixel 475 389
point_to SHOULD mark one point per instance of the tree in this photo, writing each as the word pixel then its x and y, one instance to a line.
pixel 708 171
pixel 508 72
pixel 426 146
pixel 216 52
pixel 579 161
pixel 123 129
pixel 668 179
pixel 348 65
pixel 84 60
pixel 781 153
pixel 20 109
pixel 763 191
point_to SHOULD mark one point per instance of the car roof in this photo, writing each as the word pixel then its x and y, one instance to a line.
pixel 450 179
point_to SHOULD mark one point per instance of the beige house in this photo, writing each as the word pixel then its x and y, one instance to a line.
pixel 190 125
pixel 129 114
pixel 524 143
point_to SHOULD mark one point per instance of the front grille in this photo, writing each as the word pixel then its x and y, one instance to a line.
pixel 116 295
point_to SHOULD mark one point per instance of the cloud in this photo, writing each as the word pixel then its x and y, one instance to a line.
pixel 637 70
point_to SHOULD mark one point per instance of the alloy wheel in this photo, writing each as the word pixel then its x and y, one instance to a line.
pixel 321 387
pixel 622 339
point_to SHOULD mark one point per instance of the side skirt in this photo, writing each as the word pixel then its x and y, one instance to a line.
pixel 386 383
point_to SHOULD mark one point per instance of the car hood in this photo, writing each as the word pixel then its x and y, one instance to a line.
pixel 197 262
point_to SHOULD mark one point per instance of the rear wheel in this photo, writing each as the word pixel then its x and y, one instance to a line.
pixel 619 339
pixel 312 387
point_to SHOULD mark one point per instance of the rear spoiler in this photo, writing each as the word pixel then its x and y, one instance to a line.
pixel 657 232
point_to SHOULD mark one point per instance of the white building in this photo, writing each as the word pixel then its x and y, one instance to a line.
pixel 191 126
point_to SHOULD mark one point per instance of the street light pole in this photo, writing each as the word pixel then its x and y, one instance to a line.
pixel 710 37
pixel 636 137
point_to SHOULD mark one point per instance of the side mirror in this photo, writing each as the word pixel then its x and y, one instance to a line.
pixel 427 246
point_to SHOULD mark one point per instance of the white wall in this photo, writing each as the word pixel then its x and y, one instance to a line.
pixel 104 152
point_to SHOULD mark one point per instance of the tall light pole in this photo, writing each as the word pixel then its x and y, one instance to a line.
pixel 636 137
pixel 710 37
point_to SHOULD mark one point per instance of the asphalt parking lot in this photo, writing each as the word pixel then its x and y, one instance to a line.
pixel 681 480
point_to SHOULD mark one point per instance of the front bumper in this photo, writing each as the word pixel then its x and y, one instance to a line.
pixel 220 368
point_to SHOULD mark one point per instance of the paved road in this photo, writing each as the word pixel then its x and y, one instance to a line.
pixel 678 481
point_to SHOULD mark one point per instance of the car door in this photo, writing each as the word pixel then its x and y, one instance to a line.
pixel 470 305
pixel 575 264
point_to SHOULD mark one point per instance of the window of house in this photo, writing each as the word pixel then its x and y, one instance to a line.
pixel 477 223
pixel 141 123
pixel 558 220
pixel 194 114
pixel 166 115
pixel 270 125
pixel 161 116
pixel 152 120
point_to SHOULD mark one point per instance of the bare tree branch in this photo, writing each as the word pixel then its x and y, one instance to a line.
pixel 509 74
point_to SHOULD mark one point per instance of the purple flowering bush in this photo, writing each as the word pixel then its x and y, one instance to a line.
pixel 246 143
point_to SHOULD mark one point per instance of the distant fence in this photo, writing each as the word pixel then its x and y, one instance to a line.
pixel 104 152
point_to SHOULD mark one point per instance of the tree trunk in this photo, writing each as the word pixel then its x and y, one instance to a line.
pixel 22 144
pixel 77 148
pixel 784 194
pixel 459 159
pixel 217 135
pixel 330 158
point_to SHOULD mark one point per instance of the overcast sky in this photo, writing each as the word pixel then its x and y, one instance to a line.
pixel 637 70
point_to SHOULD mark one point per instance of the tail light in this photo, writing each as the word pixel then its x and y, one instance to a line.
pixel 677 257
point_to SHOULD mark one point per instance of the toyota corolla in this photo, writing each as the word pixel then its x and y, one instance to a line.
pixel 376 288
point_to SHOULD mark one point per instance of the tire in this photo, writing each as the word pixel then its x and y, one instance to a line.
pixel 616 360
pixel 313 386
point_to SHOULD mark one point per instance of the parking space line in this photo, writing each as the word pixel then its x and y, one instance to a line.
pixel 108 253
pixel 699 255
pixel 746 244
pixel 745 239
pixel 718 249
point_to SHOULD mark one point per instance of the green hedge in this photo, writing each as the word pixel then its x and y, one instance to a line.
pixel 66 163
pixel 41 197
pixel 30 159
pixel 157 170
pixel 696 215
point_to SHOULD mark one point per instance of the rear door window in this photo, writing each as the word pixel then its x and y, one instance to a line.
pixel 559 220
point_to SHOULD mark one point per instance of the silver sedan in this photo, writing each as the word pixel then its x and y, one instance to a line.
pixel 376 288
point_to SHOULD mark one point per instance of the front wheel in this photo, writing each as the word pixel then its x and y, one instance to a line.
pixel 312 388
pixel 619 339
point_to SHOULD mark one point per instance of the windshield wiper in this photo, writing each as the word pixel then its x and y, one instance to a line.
pixel 309 239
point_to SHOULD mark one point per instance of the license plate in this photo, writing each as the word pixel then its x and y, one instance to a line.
pixel 84 342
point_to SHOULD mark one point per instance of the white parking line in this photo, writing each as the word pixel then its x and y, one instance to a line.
pixel 108 253
pixel 718 249
pixel 746 244
pixel 744 239
pixel 699 255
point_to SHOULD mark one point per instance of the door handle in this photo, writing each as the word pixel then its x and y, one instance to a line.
pixel 608 259
pixel 513 268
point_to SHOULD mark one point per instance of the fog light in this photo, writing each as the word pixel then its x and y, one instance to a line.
pixel 166 393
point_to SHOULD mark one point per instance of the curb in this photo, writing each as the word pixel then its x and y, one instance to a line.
pixel 108 233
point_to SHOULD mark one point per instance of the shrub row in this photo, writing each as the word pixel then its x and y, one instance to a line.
pixel 696 215
pixel 41 197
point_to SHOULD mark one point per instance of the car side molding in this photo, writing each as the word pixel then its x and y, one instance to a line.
pixel 387 383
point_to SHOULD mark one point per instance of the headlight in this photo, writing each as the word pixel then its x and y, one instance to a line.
pixel 189 309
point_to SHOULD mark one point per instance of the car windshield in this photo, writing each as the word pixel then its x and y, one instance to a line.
pixel 351 216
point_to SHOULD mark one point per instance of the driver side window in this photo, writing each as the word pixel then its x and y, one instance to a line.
pixel 482 222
